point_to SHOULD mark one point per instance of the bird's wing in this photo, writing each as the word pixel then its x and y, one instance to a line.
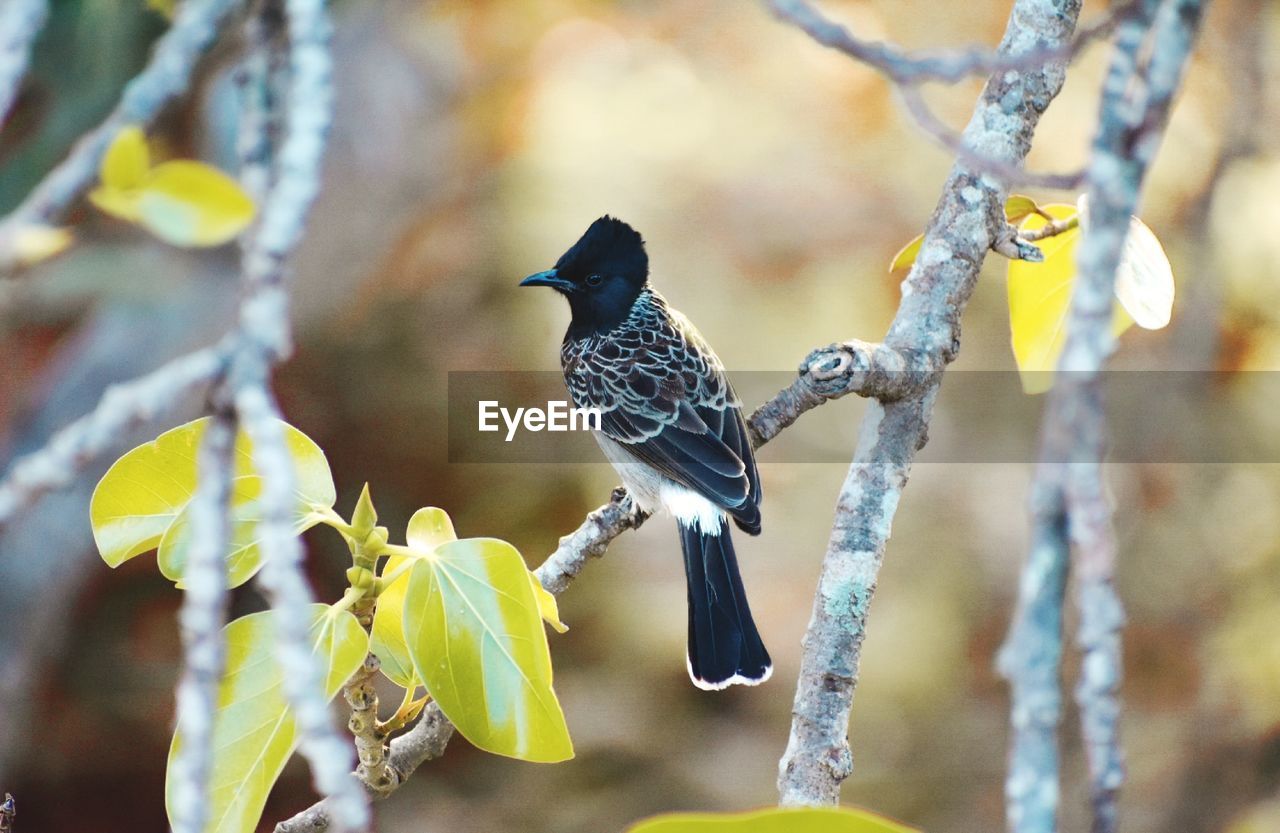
pixel 664 397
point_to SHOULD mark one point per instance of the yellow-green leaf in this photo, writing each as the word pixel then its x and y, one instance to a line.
pixel 253 729
pixel 123 205
pixel 1040 301
pixel 428 529
pixel 140 495
pixel 548 608
pixel 313 488
pixel 906 255
pixel 474 631
pixel 147 489
pixel 774 820
pixel 127 160
pixel 190 203
pixel 387 635
pixel 1018 207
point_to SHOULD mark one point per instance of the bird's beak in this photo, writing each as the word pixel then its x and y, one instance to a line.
pixel 548 278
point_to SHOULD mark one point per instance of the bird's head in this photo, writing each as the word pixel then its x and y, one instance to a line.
pixel 601 275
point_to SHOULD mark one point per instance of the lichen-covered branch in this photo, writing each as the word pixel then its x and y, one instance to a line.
pixel 1070 507
pixel 968 220
pixel 1031 660
pixel 20 22
pixel 204 611
pixel 122 407
pixel 1131 125
pixel 168 74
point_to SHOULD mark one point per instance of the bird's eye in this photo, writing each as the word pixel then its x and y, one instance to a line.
pixel 595 280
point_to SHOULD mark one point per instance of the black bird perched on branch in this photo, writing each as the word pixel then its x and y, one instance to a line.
pixel 672 427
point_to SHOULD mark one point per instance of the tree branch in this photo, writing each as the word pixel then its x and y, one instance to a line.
pixel 264 338
pixel 1070 508
pixel 968 220
pixel 20 23
pixel 1031 660
pixel 204 611
pixel 950 66
pixel 1010 174
pixel 908 70
pixel 122 407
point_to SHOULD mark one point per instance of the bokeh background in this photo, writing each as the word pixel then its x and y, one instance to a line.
pixel 774 181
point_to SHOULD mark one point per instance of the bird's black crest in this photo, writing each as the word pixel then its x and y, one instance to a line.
pixel 609 247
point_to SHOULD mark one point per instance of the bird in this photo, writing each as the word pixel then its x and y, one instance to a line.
pixel 672 426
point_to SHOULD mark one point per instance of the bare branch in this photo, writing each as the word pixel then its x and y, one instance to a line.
pixel 20 22
pixel 204 611
pixel 1070 502
pixel 1010 174
pixel 122 407
pixel 908 70
pixel 424 742
pixel 967 221
pixel 911 68
pixel 1031 660
pixel 373 769
pixel 590 540
pixel 264 338
pixel 168 74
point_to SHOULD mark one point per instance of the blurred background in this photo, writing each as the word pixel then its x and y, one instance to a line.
pixel 474 142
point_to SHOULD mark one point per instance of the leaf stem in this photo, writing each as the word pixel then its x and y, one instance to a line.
pixel 403 551
pixel 395 574
pixel 329 517
pixel 349 598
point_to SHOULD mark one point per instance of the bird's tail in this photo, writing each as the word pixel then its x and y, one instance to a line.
pixel 724 645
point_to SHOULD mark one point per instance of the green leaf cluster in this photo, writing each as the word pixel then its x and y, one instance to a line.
pixel 775 820
pixel 462 619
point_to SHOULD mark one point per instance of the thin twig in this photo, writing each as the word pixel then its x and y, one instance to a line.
pixel 908 70
pixel 1053 228
pixel 1008 173
pixel 1131 126
pixel 951 66
pixel 374 770
pixel 20 23
pixel 122 407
